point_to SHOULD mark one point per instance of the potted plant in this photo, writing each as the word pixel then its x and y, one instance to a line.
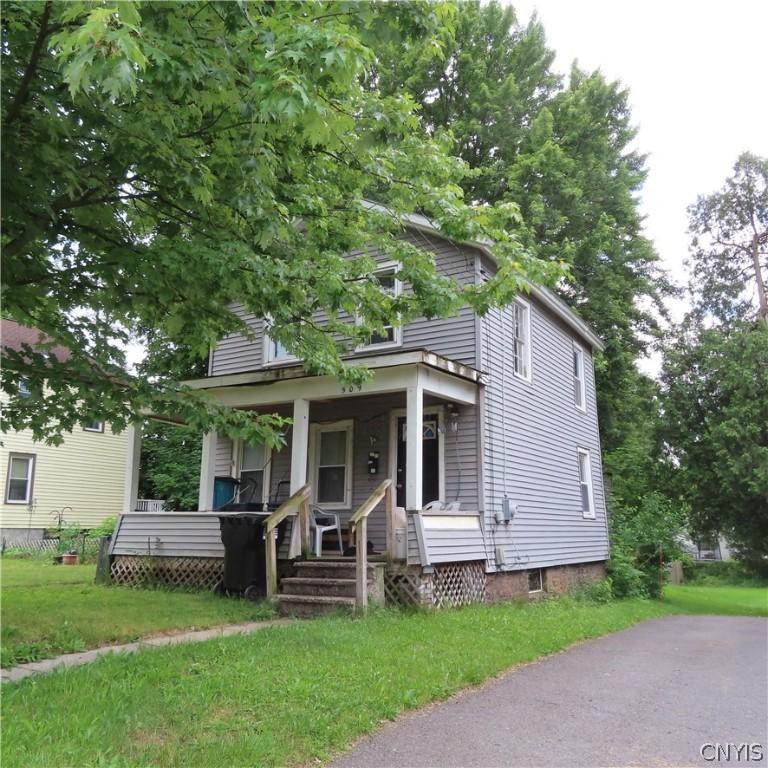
pixel 68 535
pixel 70 558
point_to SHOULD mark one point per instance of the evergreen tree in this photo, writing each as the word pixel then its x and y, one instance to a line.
pixel 715 374
pixel 563 154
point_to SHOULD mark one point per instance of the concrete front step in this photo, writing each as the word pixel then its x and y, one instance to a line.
pixel 330 569
pixel 307 606
pixel 299 585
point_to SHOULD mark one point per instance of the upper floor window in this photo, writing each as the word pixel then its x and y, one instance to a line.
pixel 332 465
pixel 22 388
pixel 390 335
pixel 275 351
pixel 21 472
pixel 579 391
pixel 254 474
pixel 585 484
pixel 93 426
pixel 521 338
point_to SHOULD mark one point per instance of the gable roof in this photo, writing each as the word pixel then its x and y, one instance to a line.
pixel 546 297
pixel 15 336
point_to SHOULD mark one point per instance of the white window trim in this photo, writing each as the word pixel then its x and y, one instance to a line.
pixel 31 460
pixel 269 358
pixel 347 425
pixel 578 349
pixel 584 452
pixel 101 429
pixel 239 452
pixel 541 581
pixel 397 330
pixel 526 307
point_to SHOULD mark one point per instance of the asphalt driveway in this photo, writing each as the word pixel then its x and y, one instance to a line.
pixel 654 695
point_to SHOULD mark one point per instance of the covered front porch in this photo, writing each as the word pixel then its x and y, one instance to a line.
pixel 396 463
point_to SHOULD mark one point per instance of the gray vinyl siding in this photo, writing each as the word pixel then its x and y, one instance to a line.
pixel 168 534
pixel 413 556
pixel 532 434
pixel 224 466
pixel 235 353
pixel 371 432
pixel 452 337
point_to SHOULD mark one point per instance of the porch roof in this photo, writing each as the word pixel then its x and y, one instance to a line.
pixel 395 371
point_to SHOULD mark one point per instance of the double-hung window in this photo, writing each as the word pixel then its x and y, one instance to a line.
pixel 274 351
pixel 579 392
pixel 254 462
pixel 521 339
pixel 21 472
pixel 585 484
pixel 333 465
pixel 390 335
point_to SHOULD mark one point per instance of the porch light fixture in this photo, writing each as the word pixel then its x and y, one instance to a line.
pixel 453 418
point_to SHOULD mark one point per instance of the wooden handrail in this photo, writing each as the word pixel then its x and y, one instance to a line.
pixel 287 507
pixel 370 503
pixel 359 524
pixel 298 503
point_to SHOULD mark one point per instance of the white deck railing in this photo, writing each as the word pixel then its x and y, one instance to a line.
pixel 150 505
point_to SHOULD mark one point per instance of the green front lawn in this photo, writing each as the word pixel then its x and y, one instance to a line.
pixel 52 609
pixel 722 600
pixel 287 695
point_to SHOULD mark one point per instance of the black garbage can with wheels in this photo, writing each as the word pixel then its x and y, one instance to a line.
pixel 245 566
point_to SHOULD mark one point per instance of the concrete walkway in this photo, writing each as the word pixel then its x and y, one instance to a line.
pixel 653 695
pixel 86 657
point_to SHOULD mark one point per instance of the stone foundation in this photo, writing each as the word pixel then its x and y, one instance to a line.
pixel 19 536
pixel 556 580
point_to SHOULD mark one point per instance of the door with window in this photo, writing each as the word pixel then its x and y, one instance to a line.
pixel 430 471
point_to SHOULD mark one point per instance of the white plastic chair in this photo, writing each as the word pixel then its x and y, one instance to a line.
pixel 320 520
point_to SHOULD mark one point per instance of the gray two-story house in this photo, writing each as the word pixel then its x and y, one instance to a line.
pixel 487 427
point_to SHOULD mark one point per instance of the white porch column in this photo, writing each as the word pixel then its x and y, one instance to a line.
pixel 413 444
pixel 132 462
pixel 207 472
pixel 299 444
pixel 299 448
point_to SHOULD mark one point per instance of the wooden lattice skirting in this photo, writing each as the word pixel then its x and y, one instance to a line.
pixel 456 584
pixel 402 588
pixel 450 584
pixel 186 572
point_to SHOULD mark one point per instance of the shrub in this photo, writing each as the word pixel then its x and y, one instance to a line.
pixel 105 528
pixel 724 572
pixel 595 592
pixel 626 579
pixel 643 538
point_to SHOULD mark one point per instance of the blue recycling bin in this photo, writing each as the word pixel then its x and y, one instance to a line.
pixel 223 491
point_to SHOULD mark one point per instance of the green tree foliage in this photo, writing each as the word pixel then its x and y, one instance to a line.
pixel 563 154
pixel 162 161
pixel 727 227
pixel 645 535
pixel 715 374
pixel 170 465
pixel 716 424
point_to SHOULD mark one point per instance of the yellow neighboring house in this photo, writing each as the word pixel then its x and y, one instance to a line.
pixel 83 479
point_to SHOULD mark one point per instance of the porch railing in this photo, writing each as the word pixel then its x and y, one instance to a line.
pixel 150 505
pixel 358 524
pixel 296 506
